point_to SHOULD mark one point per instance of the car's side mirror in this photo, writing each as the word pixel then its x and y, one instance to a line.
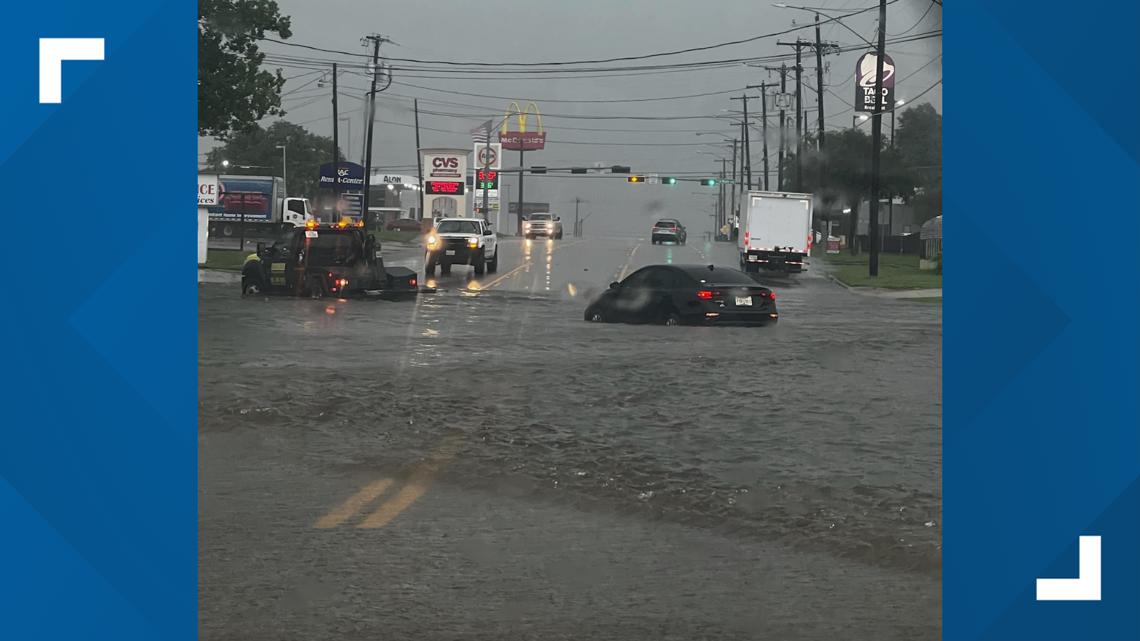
pixel 558 218
pixel 615 285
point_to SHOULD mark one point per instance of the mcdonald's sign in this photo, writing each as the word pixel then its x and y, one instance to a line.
pixel 521 139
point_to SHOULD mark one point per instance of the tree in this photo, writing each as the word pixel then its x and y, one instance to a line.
pixel 257 149
pixel 234 92
pixel 845 169
pixel 918 154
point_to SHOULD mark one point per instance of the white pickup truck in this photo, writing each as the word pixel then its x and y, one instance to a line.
pixel 461 241
pixel 775 231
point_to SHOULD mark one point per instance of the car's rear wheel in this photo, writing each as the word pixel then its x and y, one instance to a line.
pixel 672 318
pixel 595 315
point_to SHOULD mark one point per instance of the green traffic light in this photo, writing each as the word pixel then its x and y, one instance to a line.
pixel 668 181
pixel 708 182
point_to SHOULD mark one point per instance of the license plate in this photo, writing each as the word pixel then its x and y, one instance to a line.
pixel 744 300
pixel 449 252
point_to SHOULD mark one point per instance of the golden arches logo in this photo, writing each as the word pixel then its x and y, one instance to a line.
pixel 521 115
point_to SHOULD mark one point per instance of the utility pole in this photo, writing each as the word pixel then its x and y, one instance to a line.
pixel 720 201
pixel 747 142
pixel 819 84
pixel 739 187
pixel 764 128
pixel 763 87
pixel 419 161
pixel 876 132
pixel 783 71
pixel 576 201
pixel 336 151
pixel 783 122
pixel 375 40
pixel 732 188
pixel 799 121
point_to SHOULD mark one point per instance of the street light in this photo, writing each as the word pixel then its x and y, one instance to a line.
pixel 284 179
pixel 856 120
pixel 898 103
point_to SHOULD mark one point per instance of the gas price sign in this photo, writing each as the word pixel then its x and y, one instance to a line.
pixel 486 179
pixel 444 187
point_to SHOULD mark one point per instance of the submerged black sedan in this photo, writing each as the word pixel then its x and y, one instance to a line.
pixel 686 295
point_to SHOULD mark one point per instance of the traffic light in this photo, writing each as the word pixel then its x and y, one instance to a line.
pixel 708 182
pixel 668 180
pixel 538 170
pixel 619 169
pixel 578 170
pixel 636 179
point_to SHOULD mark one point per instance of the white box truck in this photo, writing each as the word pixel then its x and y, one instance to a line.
pixel 256 204
pixel 775 231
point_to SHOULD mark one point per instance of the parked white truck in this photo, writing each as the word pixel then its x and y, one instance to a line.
pixel 775 231
pixel 257 203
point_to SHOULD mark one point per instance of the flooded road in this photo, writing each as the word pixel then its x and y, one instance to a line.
pixel 482 463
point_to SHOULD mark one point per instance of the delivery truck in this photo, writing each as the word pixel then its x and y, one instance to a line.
pixel 775 231
pixel 258 204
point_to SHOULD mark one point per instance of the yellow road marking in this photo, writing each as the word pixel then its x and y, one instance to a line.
pixel 628 262
pixel 354 504
pixel 418 483
pixel 504 276
pixel 527 263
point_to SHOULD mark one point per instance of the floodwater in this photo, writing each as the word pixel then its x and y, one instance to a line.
pixel 817 440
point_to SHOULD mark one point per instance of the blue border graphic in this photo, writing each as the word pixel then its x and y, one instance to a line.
pixel 1041 430
pixel 98 446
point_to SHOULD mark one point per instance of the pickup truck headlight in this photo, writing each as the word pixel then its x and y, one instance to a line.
pixel 432 241
pixel 472 242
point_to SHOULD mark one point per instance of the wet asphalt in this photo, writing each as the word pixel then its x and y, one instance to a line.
pixel 481 463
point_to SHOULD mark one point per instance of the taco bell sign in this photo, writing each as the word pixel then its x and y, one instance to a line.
pixel 865 84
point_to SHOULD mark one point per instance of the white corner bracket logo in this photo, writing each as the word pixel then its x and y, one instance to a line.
pixel 53 51
pixel 1086 587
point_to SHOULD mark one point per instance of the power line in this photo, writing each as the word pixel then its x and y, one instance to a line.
pixel 577 62
pixel 918 22
pixel 557 100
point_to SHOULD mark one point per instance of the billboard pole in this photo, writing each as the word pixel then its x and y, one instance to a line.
pixel 486 164
pixel 876 133
pixel 520 211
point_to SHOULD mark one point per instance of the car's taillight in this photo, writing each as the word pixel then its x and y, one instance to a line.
pixel 772 295
pixel 705 294
pixel 412 281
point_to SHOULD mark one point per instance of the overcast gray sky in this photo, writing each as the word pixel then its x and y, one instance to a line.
pixel 508 30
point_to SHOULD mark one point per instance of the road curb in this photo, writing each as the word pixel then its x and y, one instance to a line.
pixel 895 294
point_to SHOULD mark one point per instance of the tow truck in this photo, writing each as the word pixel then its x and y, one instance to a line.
pixel 325 259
